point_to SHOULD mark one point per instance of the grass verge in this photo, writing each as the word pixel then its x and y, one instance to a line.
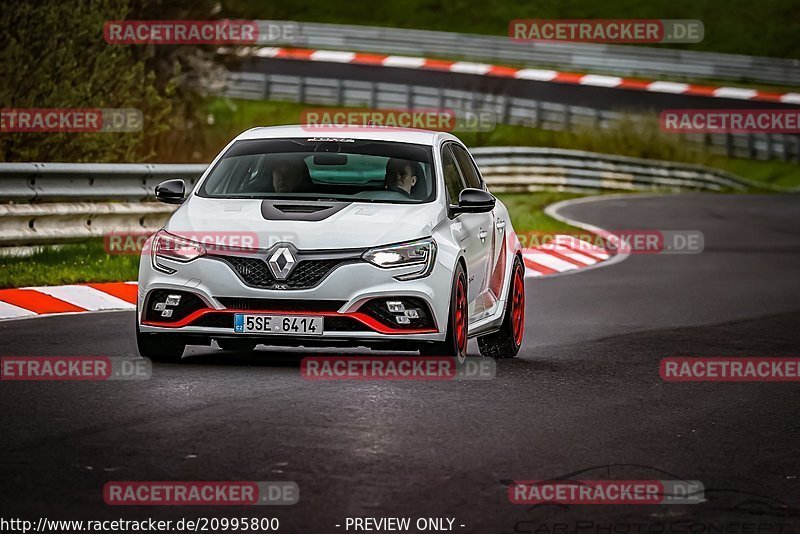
pixel 69 264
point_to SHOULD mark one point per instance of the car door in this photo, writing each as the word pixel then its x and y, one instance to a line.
pixel 473 229
pixel 496 264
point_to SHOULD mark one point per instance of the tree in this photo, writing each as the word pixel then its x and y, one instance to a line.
pixel 52 55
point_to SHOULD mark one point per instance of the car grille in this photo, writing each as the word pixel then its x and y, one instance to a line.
pixel 308 273
pixel 215 320
pixel 283 305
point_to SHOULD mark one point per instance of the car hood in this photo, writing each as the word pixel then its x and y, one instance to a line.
pixel 356 225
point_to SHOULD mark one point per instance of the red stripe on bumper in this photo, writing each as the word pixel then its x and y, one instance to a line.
pixel 358 316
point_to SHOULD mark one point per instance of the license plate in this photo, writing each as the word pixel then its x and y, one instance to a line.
pixel 277 324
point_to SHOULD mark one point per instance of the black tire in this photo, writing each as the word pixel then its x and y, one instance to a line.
pixel 453 345
pixel 506 342
pixel 239 345
pixel 160 347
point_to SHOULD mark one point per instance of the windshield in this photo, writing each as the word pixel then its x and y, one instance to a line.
pixel 313 169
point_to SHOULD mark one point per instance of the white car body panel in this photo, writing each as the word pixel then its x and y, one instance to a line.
pixel 474 238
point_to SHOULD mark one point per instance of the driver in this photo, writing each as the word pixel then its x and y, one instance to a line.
pixel 400 176
pixel 291 177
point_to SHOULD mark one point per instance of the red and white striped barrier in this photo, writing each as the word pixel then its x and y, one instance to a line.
pixel 48 300
pixel 564 253
pixel 539 75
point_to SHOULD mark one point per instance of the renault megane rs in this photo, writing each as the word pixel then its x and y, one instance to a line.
pixel 381 237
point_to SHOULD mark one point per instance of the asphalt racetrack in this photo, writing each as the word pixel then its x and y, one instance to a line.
pixel 585 396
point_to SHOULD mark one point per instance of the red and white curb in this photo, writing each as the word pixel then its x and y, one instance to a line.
pixel 564 253
pixel 34 301
pixel 539 75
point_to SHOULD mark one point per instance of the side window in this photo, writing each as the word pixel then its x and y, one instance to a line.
pixel 468 168
pixel 452 177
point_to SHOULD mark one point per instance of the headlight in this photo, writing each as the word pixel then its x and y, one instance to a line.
pixel 422 253
pixel 172 247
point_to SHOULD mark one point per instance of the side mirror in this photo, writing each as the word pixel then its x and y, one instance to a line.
pixel 171 192
pixel 475 201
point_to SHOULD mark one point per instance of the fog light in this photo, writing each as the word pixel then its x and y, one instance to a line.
pixel 166 313
pixel 159 306
pixel 173 300
pixel 395 306
pixel 412 314
pixel 402 319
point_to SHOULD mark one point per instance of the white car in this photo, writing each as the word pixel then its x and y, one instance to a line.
pixel 381 237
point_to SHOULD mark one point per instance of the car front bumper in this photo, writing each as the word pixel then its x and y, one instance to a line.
pixel 351 285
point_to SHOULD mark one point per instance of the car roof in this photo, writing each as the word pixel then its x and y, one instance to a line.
pixel 376 133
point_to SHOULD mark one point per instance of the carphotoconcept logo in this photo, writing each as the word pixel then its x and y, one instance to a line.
pixel 608 31
pixel 73 120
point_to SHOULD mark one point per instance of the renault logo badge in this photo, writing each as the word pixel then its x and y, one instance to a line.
pixel 281 263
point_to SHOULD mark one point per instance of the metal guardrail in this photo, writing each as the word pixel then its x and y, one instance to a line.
pixel 523 169
pixel 610 59
pixel 49 182
pixel 37 224
pixel 43 203
pixel 507 110
pixel 113 196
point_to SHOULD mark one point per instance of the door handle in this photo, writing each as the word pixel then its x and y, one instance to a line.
pixel 482 234
pixel 501 225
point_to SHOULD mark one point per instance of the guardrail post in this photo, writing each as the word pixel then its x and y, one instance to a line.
pixel 503 109
pixel 301 90
pixel 567 119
